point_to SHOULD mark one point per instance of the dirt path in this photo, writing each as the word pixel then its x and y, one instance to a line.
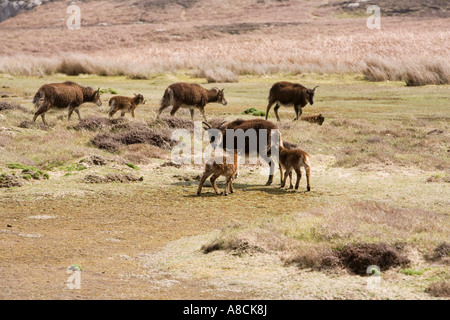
pixel 40 239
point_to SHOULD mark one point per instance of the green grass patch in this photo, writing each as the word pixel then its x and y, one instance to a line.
pixel 29 171
pixel 133 166
pixel 412 272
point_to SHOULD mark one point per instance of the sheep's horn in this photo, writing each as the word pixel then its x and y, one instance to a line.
pixel 315 88
pixel 207 125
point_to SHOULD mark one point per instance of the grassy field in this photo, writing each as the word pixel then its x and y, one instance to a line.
pixel 380 174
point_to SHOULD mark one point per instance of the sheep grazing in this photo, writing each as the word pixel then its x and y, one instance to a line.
pixel 249 141
pixel 190 96
pixel 294 160
pixel 319 119
pixel 125 104
pixel 64 95
pixel 220 167
pixel 290 94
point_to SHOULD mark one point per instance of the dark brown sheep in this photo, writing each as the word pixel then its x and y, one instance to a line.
pixel 246 145
pixel 125 104
pixel 319 119
pixel 290 94
pixel 63 95
pixel 191 96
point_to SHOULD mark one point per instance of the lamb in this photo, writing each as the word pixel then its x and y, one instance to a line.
pixel 319 119
pixel 290 94
pixel 294 160
pixel 64 95
pixel 125 104
pixel 220 167
pixel 191 96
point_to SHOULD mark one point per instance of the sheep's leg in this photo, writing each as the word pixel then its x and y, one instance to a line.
pixel 202 110
pixel 40 112
pixel 269 106
pixel 166 102
pixel 271 162
pixel 283 183
pixel 132 112
pixel 298 113
pixel 191 111
pixel 276 112
pixel 281 174
pixel 291 185
pixel 308 177
pixel 112 111
pixel 299 177
pixel 70 112
pixel 231 185
pixel 227 186
pixel 78 113
pixel 214 184
pixel 202 181
pixel 43 119
pixel 175 108
pixel 122 114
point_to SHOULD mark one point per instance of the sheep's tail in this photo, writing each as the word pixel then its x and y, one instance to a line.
pixel 38 97
pixel 167 99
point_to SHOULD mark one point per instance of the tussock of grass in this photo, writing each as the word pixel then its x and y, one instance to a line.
pixel 417 72
pixel 355 236
pixel 4 105
pixel 439 289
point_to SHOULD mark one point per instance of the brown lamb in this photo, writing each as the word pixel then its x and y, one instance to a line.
pixel 190 96
pixel 319 119
pixel 290 94
pixel 294 160
pixel 63 95
pixel 125 104
pixel 220 167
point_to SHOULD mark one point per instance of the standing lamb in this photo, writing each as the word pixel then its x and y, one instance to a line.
pixel 294 160
pixel 220 167
pixel 190 96
pixel 64 95
pixel 125 104
pixel 290 94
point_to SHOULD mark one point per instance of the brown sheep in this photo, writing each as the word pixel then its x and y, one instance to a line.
pixel 319 119
pixel 63 95
pixel 290 94
pixel 190 96
pixel 249 147
pixel 125 104
pixel 294 160
pixel 220 167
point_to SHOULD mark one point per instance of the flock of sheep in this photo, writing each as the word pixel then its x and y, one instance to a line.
pixel 71 96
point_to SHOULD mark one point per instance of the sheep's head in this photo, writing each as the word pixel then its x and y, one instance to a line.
pixel 96 98
pixel 310 93
pixel 139 98
pixel 220 96
pixel 215 135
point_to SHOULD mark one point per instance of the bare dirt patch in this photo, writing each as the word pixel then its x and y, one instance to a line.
pixel 112 177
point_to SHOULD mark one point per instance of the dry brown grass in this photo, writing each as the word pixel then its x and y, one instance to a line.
pixel 354 236
pixel 439 289
pixel 209 46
